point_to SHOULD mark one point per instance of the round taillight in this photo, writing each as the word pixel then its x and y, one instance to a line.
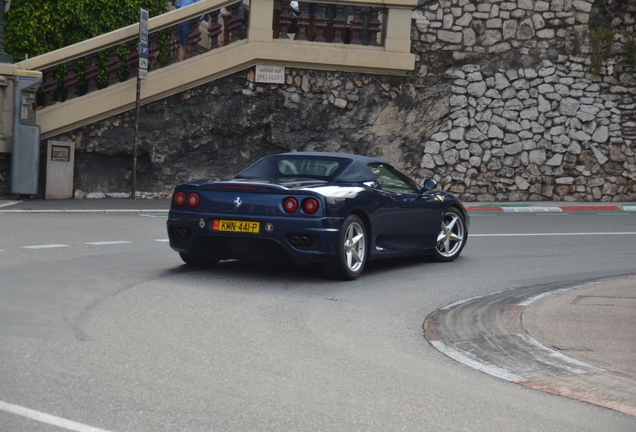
pixel 179 198
pixel 194 199
pixel 310 205
pixel 290 204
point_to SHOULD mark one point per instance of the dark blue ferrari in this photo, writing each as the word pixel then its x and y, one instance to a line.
pixel 336 210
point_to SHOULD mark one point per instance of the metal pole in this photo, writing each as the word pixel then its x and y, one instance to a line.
pixel 136 144
pixel 142 73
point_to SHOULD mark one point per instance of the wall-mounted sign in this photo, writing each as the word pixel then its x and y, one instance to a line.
pixel 270 74
pixel 60 153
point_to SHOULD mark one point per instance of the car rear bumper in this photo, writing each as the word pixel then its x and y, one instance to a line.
pixel 303 240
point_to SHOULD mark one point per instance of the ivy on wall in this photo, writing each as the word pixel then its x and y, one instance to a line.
pixel 34 27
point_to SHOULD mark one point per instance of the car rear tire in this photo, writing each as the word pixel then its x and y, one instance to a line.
pixel 351 255
pixel 197 261
pixel 451 238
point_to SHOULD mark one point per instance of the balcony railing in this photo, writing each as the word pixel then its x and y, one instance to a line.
pixel 366 36
pixel 330 23
pixel 118 63
pixel 213 27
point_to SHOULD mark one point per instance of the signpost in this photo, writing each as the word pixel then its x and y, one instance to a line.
pixel 142 75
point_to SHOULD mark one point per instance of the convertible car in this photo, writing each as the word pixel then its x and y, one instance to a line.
pixel 331 209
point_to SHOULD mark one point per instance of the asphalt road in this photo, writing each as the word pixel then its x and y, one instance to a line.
pixel 108 331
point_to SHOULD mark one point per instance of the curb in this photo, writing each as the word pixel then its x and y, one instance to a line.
pixel 535 209
pixel 102 211
pixel 500 346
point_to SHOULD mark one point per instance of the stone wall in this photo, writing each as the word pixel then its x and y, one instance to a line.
pixel 529 120
pixel 220 128
pixel 534 134
pixel 509 101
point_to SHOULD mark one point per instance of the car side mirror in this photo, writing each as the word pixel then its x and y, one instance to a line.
pixel 429 184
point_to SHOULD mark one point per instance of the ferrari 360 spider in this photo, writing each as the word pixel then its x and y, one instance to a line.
pixel 331 209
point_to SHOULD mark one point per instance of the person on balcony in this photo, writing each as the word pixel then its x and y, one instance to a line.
pixel 183 31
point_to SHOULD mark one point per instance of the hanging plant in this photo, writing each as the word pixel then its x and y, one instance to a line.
pixel 81 65
pixel 103 76
pixel 123 53
pixel 163 38
pixel 601 42
pixel 61 92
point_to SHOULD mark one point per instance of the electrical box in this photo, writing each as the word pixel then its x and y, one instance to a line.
pixel 25 158
pixel 60 164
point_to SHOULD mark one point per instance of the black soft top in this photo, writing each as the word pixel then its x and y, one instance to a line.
pixel 328 166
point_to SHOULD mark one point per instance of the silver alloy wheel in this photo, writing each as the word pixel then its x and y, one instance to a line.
pixel 450 240
pixel 355 247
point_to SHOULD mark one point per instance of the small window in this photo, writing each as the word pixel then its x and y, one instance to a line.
pixel 307 167
pixel 392 180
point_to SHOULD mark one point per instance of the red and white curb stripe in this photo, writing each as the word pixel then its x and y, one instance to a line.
pixel 538 209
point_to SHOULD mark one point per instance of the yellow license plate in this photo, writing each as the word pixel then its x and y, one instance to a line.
pixel 236 226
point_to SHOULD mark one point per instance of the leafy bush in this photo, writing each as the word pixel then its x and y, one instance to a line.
pixel 34 27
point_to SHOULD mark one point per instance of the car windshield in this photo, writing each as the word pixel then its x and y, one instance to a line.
pixel 283 166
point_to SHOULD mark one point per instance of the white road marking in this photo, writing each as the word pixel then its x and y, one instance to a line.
pixel 49 246
pixel 48 418
pixel 465 357
pixel 162 240
pixel 107 242
pixel 551 234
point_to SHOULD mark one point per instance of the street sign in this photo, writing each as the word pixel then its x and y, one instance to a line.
pixel 270 74
pixel 143 74
pixel 143 26
pixel 143 63
pixel 143 50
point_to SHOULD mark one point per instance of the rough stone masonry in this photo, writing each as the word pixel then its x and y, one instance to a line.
pixel 508 102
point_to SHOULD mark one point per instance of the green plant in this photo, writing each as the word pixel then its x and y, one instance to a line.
pixel 61 92
pixel 123 52
pixel 630 49
pixel 81 65
pixel 35 27
pixel 409 78
pixel 103 76
pixel 163 40
pixel 576 42
pixel 601 43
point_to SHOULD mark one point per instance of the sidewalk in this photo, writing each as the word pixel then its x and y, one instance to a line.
pixel 549 206
pixel 104 205
pixel 594 324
